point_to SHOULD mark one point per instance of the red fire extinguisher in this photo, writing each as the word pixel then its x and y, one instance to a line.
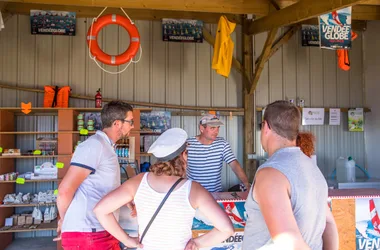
pixel 98 99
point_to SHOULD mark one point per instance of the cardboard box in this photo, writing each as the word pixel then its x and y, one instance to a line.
pixel 21 220
pixel 29 220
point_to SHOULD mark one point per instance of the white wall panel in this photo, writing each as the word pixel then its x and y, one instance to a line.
pixel 371 46
pixel 172 73
pixel 312 74
pixel 180 73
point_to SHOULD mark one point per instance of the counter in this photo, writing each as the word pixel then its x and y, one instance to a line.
pixel 359 183
pixel 354 210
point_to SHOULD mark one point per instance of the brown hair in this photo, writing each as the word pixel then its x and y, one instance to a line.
pixel 306 140
pixel 114 110
pixel 283 118
pixel 174 167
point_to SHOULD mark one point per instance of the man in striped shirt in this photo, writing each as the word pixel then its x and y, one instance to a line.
pixel 206 153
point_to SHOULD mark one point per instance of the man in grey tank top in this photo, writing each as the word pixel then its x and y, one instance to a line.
pixel 287 204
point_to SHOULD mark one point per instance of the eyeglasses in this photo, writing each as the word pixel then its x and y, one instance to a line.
pixel 131 122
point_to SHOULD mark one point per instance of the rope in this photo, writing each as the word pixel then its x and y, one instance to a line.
pixel 127 16
pixel 94 58
pixel 101 13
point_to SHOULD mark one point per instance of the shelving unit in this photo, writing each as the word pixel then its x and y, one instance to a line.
pixel 32 181
pixel 32 156
pixel 41 227
pixel 67 136
pixel 28 205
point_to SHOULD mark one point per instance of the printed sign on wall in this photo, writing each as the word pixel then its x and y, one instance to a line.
pixel 335 29
pixel 182 30
pixel 367 223
pixel 44 22
pixel 313 116
pixel 310 35
pixel 356 120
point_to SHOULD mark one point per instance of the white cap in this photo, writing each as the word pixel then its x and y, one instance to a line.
pixel 169 145
pixel 210 120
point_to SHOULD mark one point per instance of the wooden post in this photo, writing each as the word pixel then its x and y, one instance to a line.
pixel 7 120
pixel 249 110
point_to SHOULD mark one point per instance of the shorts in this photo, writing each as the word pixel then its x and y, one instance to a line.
pixel 89 241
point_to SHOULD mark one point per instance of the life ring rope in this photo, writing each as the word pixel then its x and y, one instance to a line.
pixel 94 57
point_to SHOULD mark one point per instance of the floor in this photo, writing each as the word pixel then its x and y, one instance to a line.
pixel 40 243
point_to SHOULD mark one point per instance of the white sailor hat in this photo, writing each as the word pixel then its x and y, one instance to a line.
pixel 169 145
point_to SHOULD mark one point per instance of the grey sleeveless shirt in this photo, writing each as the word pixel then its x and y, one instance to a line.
pixel 309 194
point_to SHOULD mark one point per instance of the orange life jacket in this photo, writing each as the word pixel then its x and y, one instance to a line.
pixel 56 97
pixel 343 59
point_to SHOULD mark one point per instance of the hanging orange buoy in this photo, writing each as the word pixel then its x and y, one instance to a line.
pixel 99 54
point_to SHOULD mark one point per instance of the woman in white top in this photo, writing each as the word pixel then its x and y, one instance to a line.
pixel 171 229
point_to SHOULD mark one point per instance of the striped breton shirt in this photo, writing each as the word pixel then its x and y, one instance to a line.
pixel 205 162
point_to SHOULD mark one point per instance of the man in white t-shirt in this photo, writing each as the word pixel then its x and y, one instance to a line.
pixel 207 152
pixel 94 172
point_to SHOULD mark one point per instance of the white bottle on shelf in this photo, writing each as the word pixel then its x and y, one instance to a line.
pixel 351 170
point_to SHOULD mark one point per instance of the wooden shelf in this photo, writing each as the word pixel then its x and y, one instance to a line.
pixel 42 227
pixel 55 110
pixel 30 181
pixel 366 110
pixel 27 133
pixel 142 132
pixel 28 205
pixel 31 156
pixel 144 154
pixel 75 132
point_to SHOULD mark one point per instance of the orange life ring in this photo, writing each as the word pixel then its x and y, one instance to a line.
pixel 105 58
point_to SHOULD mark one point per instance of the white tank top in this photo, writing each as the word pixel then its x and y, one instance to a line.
pixel 171 229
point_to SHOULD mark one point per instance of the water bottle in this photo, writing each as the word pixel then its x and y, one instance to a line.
pixel 351 170
pixel 341 173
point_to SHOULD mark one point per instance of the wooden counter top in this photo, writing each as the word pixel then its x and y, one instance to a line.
pixel 333 194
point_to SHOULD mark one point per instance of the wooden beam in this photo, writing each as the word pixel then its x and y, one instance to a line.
pixel 263 58
pixel 4 13
pixel 298 12
pixel 286 3
pixel 366 12
pixel 235 63
pixel 358 25
pixel 135 14
pixel 249 109
pixel 257 7
pixel 281 41
pixel 275 4
pixel 144 104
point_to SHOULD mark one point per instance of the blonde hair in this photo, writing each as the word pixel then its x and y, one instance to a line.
pixel 174 167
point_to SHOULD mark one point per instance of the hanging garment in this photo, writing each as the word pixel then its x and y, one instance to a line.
pixel 343 58
pixel 224 47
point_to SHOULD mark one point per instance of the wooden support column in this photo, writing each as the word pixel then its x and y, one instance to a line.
pixel 249 108
pixel 263 58
pixel 298 12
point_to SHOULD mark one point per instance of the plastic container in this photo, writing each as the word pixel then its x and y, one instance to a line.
pixel 341 172
pixel 351 170
pixel 345 170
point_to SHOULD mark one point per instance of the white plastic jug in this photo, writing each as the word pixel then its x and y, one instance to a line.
pixel 351 170
pixel 341 172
